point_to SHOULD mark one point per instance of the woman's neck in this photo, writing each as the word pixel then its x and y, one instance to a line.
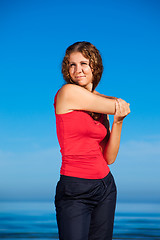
pixel 89 87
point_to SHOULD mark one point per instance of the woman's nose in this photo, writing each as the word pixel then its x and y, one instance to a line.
pixel 78 68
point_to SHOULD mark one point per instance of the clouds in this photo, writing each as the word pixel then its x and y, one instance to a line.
pixel 29 175
pixel 137 170
pixel 141 148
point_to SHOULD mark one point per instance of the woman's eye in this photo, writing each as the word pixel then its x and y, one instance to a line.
pixel 84 63
pixel 72 64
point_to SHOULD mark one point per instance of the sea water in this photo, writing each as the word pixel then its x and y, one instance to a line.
pixel 37 220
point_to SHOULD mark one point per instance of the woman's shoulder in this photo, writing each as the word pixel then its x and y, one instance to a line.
pixel 68 88
pixel 64 89
pixel 62 98
pixel 70 91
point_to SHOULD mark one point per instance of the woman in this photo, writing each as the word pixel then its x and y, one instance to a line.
pixel 86 193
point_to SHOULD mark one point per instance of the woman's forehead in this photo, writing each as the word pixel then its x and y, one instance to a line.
pixel 77 57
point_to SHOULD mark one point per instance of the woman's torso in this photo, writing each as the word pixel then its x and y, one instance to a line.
pixel 79 136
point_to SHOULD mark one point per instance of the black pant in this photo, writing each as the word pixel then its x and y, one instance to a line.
pixel 85 208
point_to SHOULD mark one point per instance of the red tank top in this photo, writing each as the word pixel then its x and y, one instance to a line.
pixel 79 136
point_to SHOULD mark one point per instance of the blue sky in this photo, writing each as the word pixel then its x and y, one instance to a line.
pixel 34 36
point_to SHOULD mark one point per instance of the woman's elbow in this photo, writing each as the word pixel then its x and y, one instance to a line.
pixel 110 159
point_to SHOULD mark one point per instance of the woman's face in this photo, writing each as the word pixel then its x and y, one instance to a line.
pixel 80 71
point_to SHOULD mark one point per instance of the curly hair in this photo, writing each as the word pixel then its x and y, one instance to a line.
pixel 90 52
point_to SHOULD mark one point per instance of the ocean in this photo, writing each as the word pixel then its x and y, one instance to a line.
pixel 37 220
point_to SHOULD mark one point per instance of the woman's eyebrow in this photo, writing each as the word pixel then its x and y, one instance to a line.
pixel 86 61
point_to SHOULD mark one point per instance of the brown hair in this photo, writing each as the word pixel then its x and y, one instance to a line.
pixel 90 52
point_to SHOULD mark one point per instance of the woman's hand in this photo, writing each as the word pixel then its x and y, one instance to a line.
pixel 122 110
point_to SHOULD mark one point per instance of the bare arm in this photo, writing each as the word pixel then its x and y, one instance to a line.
pixel 102 95
pixel 72 97
pixel 112 146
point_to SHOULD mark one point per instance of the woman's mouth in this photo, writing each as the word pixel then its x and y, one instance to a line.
pixel 79 77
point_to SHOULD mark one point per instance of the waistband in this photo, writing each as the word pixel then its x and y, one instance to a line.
pixel 75 179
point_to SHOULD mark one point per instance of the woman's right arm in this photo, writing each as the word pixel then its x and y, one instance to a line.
pixel 73 97
pixel 102 95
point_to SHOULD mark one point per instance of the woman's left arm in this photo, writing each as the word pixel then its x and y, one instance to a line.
pixel 111 148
